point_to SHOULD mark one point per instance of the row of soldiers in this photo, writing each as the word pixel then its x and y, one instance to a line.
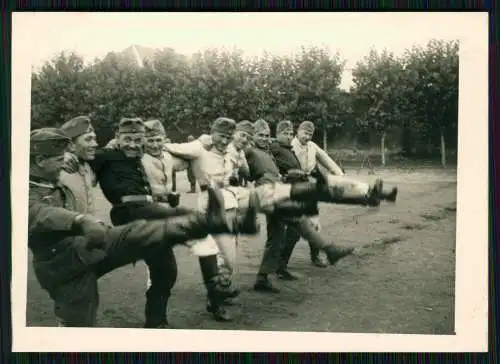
pixel 72 248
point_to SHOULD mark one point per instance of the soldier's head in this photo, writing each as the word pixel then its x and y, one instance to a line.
pixel 47 148
pixel 222 131
pixel 262 134
pixel 305 132
pixel 83 137
pixel 284 132
pixel 242 134
pixel 155 137
pixel 130 136
pixel 190 138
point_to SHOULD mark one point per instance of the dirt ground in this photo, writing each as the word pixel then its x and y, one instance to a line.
pixel 401 280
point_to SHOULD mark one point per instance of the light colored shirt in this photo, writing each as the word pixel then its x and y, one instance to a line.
pixel 311 155
pixel 159 171
pixel 81 184
pixel 208 164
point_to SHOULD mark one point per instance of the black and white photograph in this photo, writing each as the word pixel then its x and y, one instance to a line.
pixel 321 177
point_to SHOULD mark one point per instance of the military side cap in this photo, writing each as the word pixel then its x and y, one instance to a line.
pixel 48 142
pixel 284 125
pixel 224 125
pixel 245 126
pixel 307 126
pixel 154 127
pixel 260 126
pixel 131 125
pixel 77 126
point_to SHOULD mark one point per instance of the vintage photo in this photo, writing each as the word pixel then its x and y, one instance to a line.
pixel 243 172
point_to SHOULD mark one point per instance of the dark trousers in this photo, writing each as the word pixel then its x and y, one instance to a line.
pixel 162 266
pixel 271 259
pixel 295 229
pixel 174 181
pixel 72 284
pixel 191 179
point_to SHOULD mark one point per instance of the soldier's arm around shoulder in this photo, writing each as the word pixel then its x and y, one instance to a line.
pixel 186 151
pixel 43 216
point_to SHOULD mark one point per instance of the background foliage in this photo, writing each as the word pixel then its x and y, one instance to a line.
pixel 406 104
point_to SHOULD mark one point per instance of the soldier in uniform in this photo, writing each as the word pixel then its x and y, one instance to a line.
pixel 158 165
pixel 83 145
pixel 125 184
pixel 287 161
pixel 263 170
pixel 71 250
pixel 315 161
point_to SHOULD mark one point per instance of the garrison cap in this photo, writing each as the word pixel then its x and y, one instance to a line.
pixel 307 126
pixel 224 125
pixel 260 126
pixel 284 125
pixel 77 126
pixel 48 142
pixel 154 128
pixel 245 126
pixel 131 125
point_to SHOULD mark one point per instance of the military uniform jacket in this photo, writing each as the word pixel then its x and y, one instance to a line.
pixel 81 183
pixel 59 253
pixel 119 175
pixel 263 168
pixel 159 171
pixel 285 157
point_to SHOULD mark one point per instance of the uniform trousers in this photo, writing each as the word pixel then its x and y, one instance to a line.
pixel 72 284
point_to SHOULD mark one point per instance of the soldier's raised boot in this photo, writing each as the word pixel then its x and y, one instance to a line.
pixel 340 193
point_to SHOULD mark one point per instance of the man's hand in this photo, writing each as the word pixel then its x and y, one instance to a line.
pixel 93 229
pixel 71 163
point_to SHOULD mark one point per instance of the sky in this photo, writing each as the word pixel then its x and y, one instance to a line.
pixel 351 34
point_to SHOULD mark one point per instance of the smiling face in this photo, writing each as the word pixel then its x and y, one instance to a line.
pixel 304 136
pixel 241 139
pixel 154 145
pixel 131 144
pixel 262 138
pixel 85 146
pixel 221 140
pixel 285 137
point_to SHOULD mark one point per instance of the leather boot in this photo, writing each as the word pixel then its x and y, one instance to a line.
pixel 316 258
pixel 215 301
pixel 247 223
pixel 156 310
pixel 390 195
pixel 334 253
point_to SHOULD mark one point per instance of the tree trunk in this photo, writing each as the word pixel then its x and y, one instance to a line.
pixel 382 148
pixel 443 150
pixel 325 139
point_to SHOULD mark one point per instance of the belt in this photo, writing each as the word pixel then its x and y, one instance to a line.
pixel 204 188
pixel 137 198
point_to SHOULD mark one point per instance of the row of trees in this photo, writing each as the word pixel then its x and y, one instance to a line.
pixel 408 103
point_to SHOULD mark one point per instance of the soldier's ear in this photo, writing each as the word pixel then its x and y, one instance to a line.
pixel 71 147
pixel 38 160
